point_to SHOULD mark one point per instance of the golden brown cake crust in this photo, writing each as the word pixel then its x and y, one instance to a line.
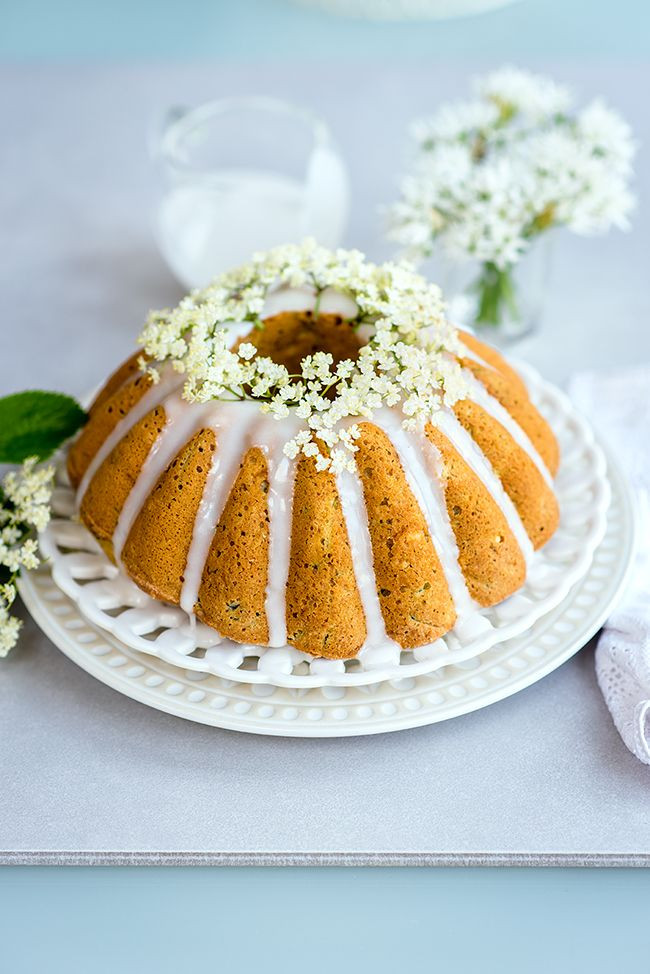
pixel 233 586
pixel 413 592
pixel 535 501
pixel 324 612
pixel 489 556
pixel 516 402
pixel 156 550
pixel 101 423
pixel 493 358
pixel 117 379
pixel 108 490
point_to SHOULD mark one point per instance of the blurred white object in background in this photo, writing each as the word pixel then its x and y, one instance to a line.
pixel 245 174
pixel 406 9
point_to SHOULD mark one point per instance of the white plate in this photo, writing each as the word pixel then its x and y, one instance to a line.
pixel 347 711
pixel 110 600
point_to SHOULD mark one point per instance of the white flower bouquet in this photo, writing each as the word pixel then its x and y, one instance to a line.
pixel 492 174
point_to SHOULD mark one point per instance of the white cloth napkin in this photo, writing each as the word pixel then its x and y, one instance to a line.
pixel 618 405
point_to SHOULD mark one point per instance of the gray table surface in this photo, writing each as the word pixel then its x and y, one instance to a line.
pixel 88 775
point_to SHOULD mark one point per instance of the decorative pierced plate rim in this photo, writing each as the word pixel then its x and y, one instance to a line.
pixel 170 620
pixel 323 712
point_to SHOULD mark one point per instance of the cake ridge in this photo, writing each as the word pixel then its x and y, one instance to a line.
pixel 179 429
pixel 480 395
pixel 152 398
pixel 409 444
pixel 462 441
pixel 221 476
pixel 352 500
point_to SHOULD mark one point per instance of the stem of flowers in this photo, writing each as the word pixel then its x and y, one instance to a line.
pixel 497 297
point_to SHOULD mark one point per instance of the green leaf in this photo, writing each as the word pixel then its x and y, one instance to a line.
pixel 35 423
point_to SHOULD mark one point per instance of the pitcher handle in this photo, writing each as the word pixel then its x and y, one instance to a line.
pixel 159 126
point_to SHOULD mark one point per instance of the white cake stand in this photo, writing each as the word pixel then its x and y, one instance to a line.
pixel 112 602
pixel 339 711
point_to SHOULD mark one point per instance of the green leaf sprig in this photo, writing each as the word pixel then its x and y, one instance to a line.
pixel 36 423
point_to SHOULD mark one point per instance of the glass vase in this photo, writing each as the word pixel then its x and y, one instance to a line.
pixel 502 305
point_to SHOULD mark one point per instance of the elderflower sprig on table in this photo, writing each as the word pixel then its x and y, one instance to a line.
pixel 408 358
pixel 491 174
pixel 24 508
pixel 32 425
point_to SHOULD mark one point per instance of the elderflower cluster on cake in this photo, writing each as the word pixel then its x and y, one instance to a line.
pixel 24 507
pixel 493 173
pixel 408 359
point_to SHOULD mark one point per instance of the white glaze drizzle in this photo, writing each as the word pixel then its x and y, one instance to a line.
pixel 271 437
pixel 169 380
pixel 231 423
pixel 421 466
pixel 182 421
pixel 447 423
pixel 479 394
pixel 355 514
pixel 470 353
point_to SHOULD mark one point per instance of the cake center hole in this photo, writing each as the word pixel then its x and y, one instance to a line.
pixel 290 336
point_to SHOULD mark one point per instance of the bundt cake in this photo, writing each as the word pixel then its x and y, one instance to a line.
pixel 202 505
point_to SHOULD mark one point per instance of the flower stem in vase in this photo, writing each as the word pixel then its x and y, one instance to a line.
pixel 496 295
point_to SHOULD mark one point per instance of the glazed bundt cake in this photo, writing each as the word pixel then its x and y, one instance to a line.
pixel 200 502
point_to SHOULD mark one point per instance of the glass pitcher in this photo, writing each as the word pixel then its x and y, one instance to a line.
pixel 241 175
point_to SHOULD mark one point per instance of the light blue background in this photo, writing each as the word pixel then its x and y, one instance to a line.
pixel 327 921
pixel 246 29
pixel 109 920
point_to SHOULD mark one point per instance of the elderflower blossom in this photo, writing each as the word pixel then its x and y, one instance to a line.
pixel 24 506
pixel 409 358
pixel 524 93
pixel 489 175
